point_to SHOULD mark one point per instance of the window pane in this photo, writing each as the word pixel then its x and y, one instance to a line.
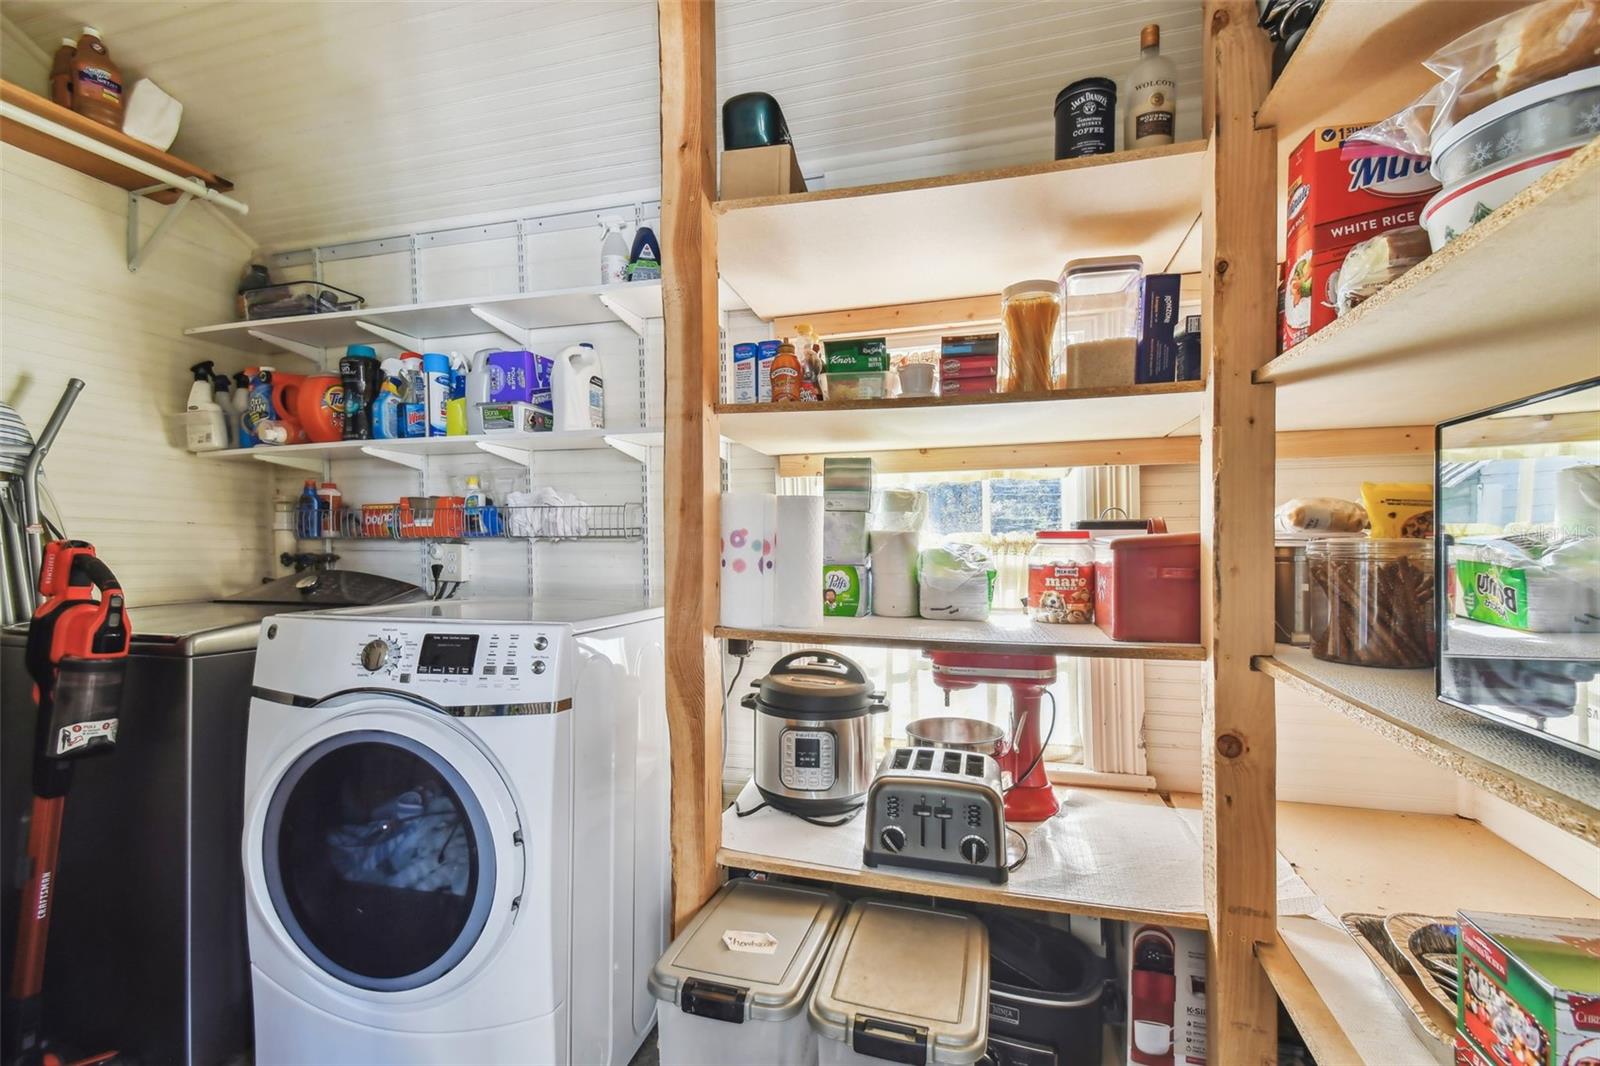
pixel 1024 505
pixel 955 507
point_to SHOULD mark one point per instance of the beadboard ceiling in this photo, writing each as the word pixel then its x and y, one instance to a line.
pixel 341 119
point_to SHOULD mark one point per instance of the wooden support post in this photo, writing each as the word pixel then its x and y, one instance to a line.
pixel 693 473
pixel 1237 459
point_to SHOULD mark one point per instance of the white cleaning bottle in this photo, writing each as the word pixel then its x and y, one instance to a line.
pixel 205 430
pixel 479 382
pixel 613 252
pixel 579 391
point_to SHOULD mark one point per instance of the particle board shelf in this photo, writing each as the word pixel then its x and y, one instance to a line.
pixel 1007 631
pixel 963 234
pixel 1361 61
pixel 1504 311
pixel 1384 862
pixel 1556 784
pixel 630 303
pixel 411 451
pixel 84 162
pixel 1123 412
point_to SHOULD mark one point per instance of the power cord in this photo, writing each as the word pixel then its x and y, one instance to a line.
pixel 1011 868
pixel 739 649
pixel 1051 732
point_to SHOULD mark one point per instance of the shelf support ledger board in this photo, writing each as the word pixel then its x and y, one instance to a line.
pixel 1238 735
pixel 693 453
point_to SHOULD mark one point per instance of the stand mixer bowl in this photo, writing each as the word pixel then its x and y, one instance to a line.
pixel 964 734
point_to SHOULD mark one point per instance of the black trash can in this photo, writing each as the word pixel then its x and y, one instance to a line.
pixel 1045 990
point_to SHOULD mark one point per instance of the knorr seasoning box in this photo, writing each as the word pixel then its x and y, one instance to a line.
pixel 1529 989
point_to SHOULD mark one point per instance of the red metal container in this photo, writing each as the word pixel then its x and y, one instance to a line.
pixel 1148 588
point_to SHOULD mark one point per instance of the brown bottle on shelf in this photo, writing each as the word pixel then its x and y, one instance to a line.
pixel 61 72
pixel 96 81
pixel 786 375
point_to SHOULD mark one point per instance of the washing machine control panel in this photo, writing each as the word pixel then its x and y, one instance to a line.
pixel 444 664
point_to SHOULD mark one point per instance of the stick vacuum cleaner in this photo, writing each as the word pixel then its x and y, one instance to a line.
pixel 77 656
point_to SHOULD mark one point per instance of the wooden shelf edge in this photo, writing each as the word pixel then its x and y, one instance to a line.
pixel 1318 1027
pixel 974 177
pixel 1283 368
pixel 1532 796
pixel 1166 652
pixel 42 144
pixel 908 403
pixel 975 892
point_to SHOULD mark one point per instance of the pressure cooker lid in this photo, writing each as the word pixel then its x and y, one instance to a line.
pixel 818 684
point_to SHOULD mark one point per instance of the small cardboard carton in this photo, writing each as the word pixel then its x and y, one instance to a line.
pixel 1166 996
pixel 1529 988
pixel 769 171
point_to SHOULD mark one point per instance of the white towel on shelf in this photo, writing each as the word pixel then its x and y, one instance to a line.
pixel 547 514
pixel 151 115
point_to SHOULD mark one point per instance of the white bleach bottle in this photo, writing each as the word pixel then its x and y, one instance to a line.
pixel 579 391
pixel 613 252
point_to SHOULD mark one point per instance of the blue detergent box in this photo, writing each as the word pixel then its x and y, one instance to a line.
pixel 1158 318
pixel 745 359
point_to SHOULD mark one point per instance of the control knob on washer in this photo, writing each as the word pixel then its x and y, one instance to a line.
pixel 893 839
pixel 374 655
pixel 974 849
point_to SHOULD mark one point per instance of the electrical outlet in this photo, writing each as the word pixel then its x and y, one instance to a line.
pixel 453 557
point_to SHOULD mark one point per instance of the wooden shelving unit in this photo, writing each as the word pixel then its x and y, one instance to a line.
pixel 1135 411
pixel 1007 631
pixel 69 155
pixel 1558 785
pixel 960 235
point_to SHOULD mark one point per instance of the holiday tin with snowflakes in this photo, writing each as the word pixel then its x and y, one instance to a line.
pixel 1463 204
pixel 1539 119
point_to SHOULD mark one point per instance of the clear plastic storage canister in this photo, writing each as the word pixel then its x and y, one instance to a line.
pixel 1061 577
pixel 1030 337
pixel 1101 298
pixel 1372 601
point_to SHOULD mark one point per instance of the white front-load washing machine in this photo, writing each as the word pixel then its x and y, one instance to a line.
pixel 455 843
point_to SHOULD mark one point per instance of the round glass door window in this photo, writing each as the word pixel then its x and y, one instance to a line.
pixel 378 860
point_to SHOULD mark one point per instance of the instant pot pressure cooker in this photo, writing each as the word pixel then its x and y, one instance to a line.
pixel 816 742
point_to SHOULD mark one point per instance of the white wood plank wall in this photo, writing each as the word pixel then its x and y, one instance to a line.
pixel 172 526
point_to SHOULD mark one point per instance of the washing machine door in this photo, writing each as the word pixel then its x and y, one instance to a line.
pixel 389 850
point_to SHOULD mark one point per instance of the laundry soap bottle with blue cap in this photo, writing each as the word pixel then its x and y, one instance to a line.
pixel 644 260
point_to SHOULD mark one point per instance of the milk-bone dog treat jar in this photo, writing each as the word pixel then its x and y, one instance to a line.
pixel 1061 577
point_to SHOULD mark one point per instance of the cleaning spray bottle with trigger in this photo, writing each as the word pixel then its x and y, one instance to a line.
pixel 613 252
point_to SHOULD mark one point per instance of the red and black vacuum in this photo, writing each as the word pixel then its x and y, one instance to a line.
pixel 77 656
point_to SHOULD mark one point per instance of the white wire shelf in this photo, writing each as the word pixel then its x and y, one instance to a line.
pixel 449 518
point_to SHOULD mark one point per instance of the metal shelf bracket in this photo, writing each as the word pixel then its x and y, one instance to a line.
pixel 413 460
pixel 520 456
pixel 639 453
pixel 393 336
pixel 625 316
pixel 138 253
pixel 305 351
pixel 265 454
pixel 505 327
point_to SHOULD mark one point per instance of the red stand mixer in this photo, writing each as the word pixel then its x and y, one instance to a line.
pixel 1030 797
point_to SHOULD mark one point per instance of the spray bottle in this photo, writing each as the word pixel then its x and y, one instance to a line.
pixel 613 252
pixel 241 403
pixel 205 430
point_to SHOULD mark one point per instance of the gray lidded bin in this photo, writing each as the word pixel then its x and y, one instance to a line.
pixel 903 984
pixel 737 1007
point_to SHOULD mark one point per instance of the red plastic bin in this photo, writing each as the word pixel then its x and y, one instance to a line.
pixel 1148 588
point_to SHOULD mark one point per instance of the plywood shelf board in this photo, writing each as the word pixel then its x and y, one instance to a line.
pixel 42 144
pixel 1372 54
pixel 1107 854
pixel 1130 412
pixel 444 318
pixel 1009 631
pixel 961 235
pixel 1557 784
pixel 1504 311
pixel 1313 1017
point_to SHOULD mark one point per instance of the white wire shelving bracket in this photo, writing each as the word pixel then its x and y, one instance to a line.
pixel 625 316
pixel 308 463
pixel 404 340
pixel 414 460
pixel 305 351
pixel 512 332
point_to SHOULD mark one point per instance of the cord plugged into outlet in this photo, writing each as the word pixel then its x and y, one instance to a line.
pixel 452 560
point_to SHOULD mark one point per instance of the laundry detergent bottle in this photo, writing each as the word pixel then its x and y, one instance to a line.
pixel 261 417
pixel 241 405
pixel 580 392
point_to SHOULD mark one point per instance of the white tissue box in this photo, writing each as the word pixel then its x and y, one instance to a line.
pixel 151 115
pixel 844 536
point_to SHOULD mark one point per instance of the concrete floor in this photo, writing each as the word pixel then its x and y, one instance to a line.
pixel 648 1054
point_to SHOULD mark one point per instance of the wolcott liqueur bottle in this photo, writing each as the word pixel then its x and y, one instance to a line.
pixel 1152 99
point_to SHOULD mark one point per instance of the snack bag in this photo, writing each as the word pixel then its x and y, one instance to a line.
pixel 1399 509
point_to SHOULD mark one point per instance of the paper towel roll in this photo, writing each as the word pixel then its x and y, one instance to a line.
pixel 749 520
pixel 1578 500
pixel 894 573
pixel 796 597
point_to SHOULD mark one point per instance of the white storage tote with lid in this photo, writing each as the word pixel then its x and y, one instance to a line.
pixel 733 985
pixel 903 984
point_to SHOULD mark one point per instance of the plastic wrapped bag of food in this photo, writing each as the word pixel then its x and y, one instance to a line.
pixel 956 581
pixel 1486 64
pixel 1399 508
pixel 1543 581
pixel 1320 514
pixel 1376 262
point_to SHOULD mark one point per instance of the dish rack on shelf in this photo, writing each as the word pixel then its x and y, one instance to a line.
pixel 449 518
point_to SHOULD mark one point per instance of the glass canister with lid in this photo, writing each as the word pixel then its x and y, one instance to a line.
pixel 1372 600
pixel 1101 305
pixel 1030 337
pixel 1061 577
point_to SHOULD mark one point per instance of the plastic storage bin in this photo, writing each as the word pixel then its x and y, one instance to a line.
pixel 1030 337
pixel 1372 601
pixel 1101 298
pixel 725 1005
pixel 903 984
pixel 1148 588
pixel 1045 988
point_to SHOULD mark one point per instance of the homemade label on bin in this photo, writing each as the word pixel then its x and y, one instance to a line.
pixel 749 943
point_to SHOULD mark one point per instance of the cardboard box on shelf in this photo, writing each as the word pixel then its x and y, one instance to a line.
pixel 1156 358
pixel 968 386
pixel 1166 996
pixel 1340 195
pixel 770 171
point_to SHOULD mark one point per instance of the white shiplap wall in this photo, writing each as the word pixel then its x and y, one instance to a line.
pixel 1322 757
pixel 171 525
